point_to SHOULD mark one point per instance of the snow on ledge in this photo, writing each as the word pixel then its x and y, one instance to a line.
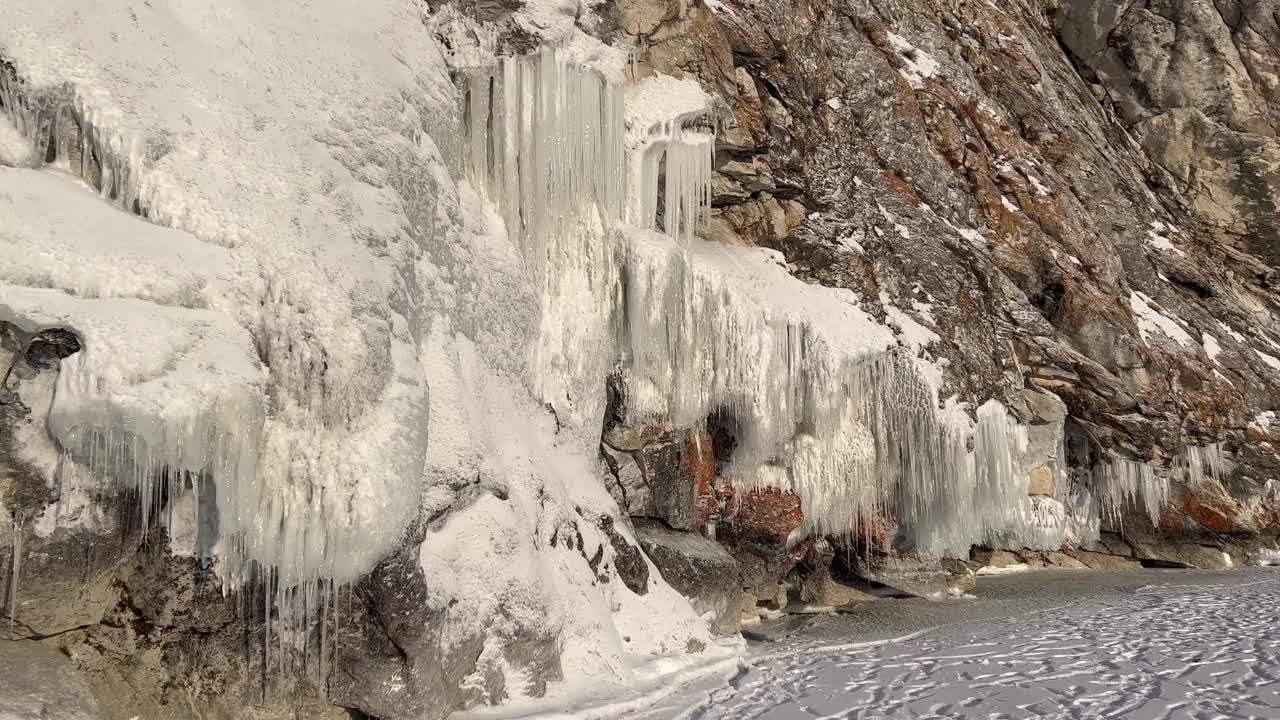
pixel 1150 320
pixel 1004 569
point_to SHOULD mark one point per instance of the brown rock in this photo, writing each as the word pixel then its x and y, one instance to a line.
pixel 766 514
pixel 1040 481
pixel 1063 560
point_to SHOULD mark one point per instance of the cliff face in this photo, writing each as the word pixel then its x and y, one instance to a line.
pixel 1066 209
pixel 1078 191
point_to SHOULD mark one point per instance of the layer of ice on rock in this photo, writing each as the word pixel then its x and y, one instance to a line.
pixel 322 186
pixel 153 387
pixel 529 321
pixel 1203 463
pixel 59 234
pixel 822 402
pixel 544 143
pixel 668 157
pixel 15 150
pixel 503 567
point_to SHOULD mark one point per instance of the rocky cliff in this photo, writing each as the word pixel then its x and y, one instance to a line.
pixel 389 284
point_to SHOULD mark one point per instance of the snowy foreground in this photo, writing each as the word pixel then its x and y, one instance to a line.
pixel 1160 644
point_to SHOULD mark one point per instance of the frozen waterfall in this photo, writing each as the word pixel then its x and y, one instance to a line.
pixel 604 204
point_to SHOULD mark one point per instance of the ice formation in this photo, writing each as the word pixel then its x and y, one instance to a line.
pixel 279 359
pixel 1202 463
pixel 1125 484
pixel 320 268
pixel 280 244
pixel 824 402
pixel 668 155
pixel 544 143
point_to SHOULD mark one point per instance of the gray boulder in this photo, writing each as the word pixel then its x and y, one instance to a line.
pixel 698 568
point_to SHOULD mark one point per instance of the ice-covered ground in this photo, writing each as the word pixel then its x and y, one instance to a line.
pixel 1156 644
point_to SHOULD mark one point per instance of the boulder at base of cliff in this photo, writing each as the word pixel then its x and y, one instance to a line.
pixel 698 568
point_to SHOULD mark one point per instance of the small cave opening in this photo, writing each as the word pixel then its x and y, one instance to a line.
pixel 615 404
pixel 724 430
pixel 1154 564
pixel 1082 453
pixel 660 195
pixel 1051 300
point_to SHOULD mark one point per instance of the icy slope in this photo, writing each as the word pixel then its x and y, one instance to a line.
pixel 322 269
pixel 211 120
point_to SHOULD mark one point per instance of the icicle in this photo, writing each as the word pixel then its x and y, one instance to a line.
pixel 266 630
pixel 1128 483
pixel 15 568
pixel 326 590
pixel 1195 460
pixel 544 143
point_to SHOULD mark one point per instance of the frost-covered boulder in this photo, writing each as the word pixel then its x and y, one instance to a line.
pixel 700 569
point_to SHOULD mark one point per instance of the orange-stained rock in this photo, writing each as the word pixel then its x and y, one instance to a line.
pixel 767 514
pixel 698 464
pixel 1209 505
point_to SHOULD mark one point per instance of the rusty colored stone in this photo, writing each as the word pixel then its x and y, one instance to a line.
pixel 766 514
pixel 1214 511
pixel 698 463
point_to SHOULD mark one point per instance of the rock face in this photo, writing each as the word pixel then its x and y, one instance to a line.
pixel 1206 115
pixel 1090 232
pixel 39 682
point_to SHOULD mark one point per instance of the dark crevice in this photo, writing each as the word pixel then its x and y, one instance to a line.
pixel 1163 564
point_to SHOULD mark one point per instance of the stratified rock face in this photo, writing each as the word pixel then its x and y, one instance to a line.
pixel 1096 223
pixel 1195 81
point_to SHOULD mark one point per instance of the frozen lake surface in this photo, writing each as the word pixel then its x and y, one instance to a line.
pixel 1052 644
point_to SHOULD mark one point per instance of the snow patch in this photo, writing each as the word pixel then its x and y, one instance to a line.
pixel 1150 320
pixel 1158 237
pixel 1232 333
pixel 1211 346
pixel 920 66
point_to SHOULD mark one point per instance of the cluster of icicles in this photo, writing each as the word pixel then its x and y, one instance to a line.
pixel 132 474
pixel 1124 484
pixel 66 132
pixel 848 424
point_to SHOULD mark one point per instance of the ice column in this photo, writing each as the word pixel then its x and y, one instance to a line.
pixel 544 142
pixel 1201 464
pixel 1128 483
pixel 823 402
pixel 671 182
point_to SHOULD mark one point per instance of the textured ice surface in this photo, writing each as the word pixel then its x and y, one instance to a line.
pixel 320 186
pixel 15 151
pixel 1126 485
pixel 58 234
pixel 1150 645
pixel 822 401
